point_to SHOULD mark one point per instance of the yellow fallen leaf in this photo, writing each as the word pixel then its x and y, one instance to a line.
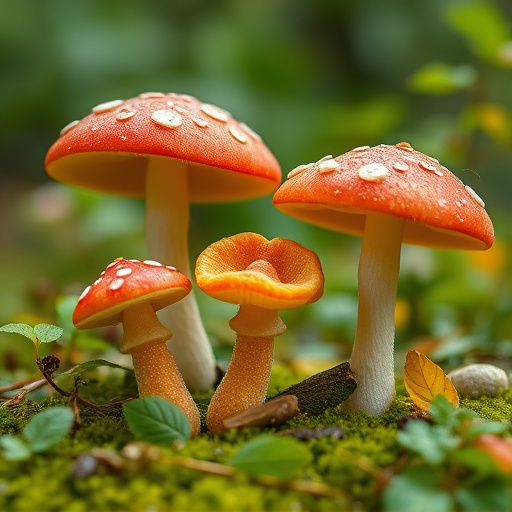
pixel 424 380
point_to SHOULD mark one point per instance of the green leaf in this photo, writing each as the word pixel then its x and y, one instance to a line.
pixel 489 494
pixel 482 24
pixel 46 333
pixel 479 427
pixel 417 489
pixel 156 420
pixel 14 448
pixel 23 329
pixel 270 455
pixel 48 427
pixel 438 78
pixel 432 443
pixel 479 461
pixel 92 365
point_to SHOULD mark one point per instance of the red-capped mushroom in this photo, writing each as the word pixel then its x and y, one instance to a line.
pixel 171 149
pixel 131 291
pixel 263 277
pixel 389 195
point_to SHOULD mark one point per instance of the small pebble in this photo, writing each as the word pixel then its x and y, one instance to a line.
pixel 479 379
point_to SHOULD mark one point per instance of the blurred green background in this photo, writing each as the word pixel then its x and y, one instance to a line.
pixel 312 77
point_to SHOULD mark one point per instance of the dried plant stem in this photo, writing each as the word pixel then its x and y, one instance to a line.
pixel 304 486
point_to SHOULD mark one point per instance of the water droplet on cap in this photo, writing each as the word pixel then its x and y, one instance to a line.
pixel 373 172
pixel 123 272
pixel 237 134
pixel 105 107
pixel 298 170
pixel 215 112
pixel 478 200
pixel 400 166
pixel 328 166
pixel 167 118
pixel 69 127
pixel 202 123
pixel 116 284
pixel 153 263
pixel 125 114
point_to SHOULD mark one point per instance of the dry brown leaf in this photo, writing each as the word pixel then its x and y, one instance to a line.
pixel 424 380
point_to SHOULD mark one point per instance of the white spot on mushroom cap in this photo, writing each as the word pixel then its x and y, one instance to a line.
pixel 202 123
pixel 116 284
pixel 478 200
pixel 328 166
pixel 124 115
pixel 123 272
pixel 215 112
pixel 167 118
pixel 84 293
pixel 153 263
pixel 400 166
pixel 69 127
pixel 237 134
pixel 430 167
pixel 298 170
pixel 323 159
pixel 361 148
pixel 149 95
pixel 373 172
pixel 105 107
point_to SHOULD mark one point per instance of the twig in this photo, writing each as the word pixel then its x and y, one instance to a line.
pixel 304 486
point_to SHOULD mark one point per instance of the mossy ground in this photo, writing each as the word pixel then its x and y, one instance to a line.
pixel 360 463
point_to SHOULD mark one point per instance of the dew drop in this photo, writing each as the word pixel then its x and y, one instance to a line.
pixel 373 172
pixel 123 272
pixel 170 267
pixel 202 123
pixel 297 170
pixel 149 95
pixel 153 263
pixel 116 284
pixel 430 167
pixel 215 112
pixel 167 118
pixel 238 134
pixel 69 127
pixel 124 115
pixel 323 159
pixel 328 166
pixel 105 107
pixel 400 166
pixel 405 146
pixel 442 203
pixel 478 200
pixel 84 293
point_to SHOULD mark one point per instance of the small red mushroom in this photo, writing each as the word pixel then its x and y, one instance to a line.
pixel 131 291
pixel 170 149
pixel 263 277
pixel 389 195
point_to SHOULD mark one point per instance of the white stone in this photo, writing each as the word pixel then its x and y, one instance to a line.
pixel 478 379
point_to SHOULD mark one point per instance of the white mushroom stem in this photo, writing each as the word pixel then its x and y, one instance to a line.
pixel 167 220
pixel 372 354
pixel 155 369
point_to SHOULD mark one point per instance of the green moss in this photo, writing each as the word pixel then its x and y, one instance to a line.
pixel 354 463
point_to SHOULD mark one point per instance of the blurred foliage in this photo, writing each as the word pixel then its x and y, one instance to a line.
pixel 313 78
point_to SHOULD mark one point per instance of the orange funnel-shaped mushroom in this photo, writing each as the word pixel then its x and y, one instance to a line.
pixel 131 291
pixel 263 277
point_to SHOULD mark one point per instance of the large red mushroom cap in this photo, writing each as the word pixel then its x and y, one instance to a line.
pixel 108 149
pixel 128 283
pixel 338 193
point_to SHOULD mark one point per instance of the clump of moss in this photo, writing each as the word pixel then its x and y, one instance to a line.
pixel 492 408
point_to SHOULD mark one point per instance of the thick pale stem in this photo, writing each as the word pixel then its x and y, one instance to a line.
pixel 155 370
pixel 167 219
pixel 372 354
pixel 246 381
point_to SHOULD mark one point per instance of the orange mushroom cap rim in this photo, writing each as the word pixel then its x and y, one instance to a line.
pixel 127 283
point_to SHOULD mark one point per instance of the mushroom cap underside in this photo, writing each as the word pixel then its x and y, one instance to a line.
pixel 127 283
pixel 438 210
pixel 109 148
pixel 249 269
